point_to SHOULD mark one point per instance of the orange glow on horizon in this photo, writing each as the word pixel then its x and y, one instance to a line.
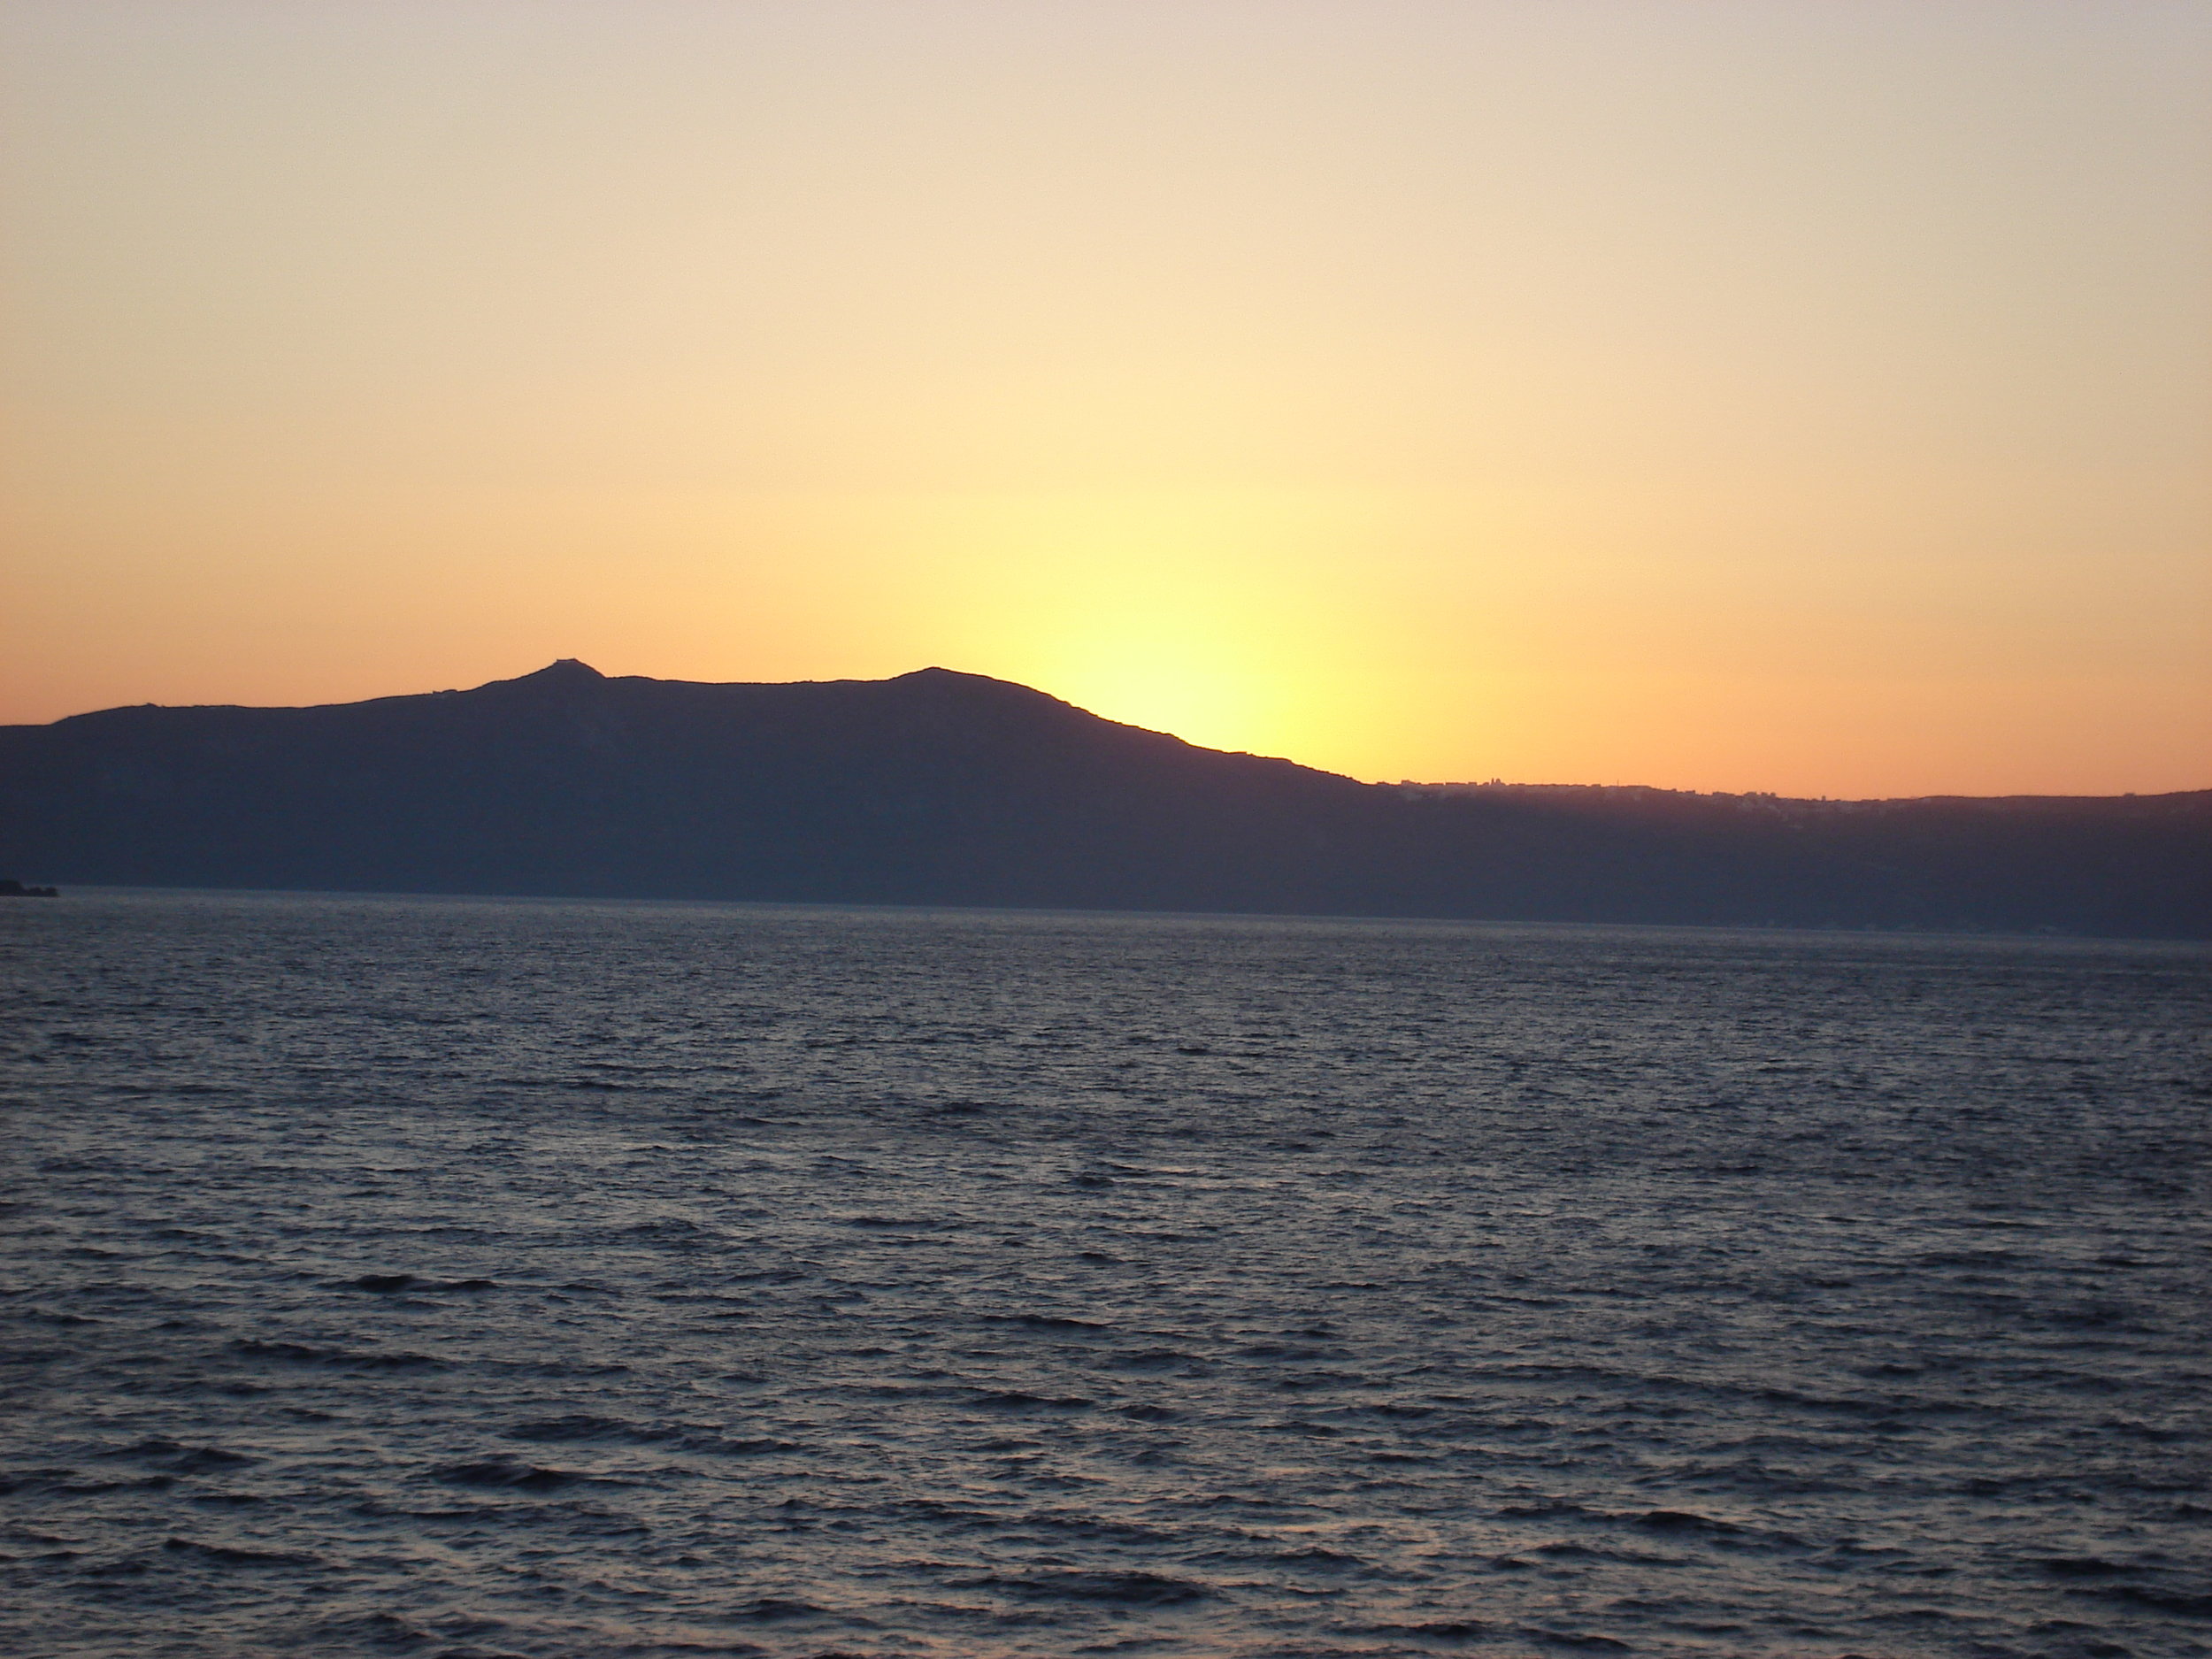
pixel 1748 396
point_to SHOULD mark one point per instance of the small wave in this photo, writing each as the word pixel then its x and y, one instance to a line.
pixel 719 1445
pixel 1016 1400
pixel 501 1471
pixel 1572 1640
pixel 1445 1630
pixel 770 1610
pixel 2187 1604
pixel 374 1630
pixel 1475 1629
pixel 68 1483
pixel 303 1354
pixel 235 1557
pixel 1685 1521
pixel 1316 1559
pixel 185 1460
pixel 573 1428
pixel 391 1283
pixel 1129 1589
pixel 1148 1359
pixel 1044 1322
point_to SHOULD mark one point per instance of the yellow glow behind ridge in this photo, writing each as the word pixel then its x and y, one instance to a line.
pixel 1751 395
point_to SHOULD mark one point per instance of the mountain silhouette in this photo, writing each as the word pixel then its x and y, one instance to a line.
pixel 938 788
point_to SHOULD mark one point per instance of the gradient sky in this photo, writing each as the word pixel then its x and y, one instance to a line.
pixel 1791 394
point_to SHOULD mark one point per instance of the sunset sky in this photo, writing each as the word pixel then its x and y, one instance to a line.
pixel 1786 394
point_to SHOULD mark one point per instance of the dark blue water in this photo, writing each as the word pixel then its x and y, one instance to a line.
pixel 474 1278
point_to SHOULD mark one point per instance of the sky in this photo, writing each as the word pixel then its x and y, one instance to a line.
pixel 1782 395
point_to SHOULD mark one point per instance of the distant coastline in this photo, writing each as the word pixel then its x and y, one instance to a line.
pixel 944 789
pixel 11 888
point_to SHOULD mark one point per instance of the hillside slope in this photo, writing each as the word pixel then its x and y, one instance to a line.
pixel 942 788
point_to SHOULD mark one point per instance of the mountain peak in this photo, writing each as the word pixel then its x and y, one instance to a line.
pixel 567 670
pixel 950 678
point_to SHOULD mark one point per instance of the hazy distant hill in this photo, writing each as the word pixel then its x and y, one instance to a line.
pixel 941 787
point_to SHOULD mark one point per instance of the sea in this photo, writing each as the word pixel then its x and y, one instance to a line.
pixel 478 1277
